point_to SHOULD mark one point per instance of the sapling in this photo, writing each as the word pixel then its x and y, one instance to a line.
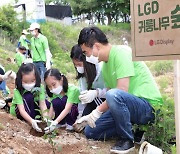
pixel 47 121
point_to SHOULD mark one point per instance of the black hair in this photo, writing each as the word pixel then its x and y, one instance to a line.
pixel 26 69
pixel 89 68
pixel 39 31
pixel 22 48
pixel 91 35
pixel 55 72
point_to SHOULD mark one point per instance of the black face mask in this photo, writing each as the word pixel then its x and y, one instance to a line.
pixel 24 53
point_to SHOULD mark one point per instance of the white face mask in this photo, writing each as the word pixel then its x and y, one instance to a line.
pixel 80 69
pixel 92 59
pixel 28 87
pixel 33 33
pixel 57 90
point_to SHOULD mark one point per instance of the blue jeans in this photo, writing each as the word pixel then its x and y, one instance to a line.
pixel 3 88
pixel 41 68
pixel 124 111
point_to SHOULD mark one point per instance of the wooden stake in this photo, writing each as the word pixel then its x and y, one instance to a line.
pixel 177 102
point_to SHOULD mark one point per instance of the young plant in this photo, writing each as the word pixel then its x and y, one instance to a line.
pixel 50 136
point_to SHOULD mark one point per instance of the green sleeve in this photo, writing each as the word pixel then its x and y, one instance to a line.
pixel 123 64
pixel 45 43
pixel 73 94
pixel 17 99
pixel 19 59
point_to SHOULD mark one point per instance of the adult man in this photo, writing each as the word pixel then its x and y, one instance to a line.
pixel 132 92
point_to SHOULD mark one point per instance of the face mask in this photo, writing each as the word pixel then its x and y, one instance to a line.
pixel 80 70
pixel 28 87
pixel 33 33
pixel 57 90
pixel 92 59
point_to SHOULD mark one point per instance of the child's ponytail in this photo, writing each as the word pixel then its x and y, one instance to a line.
pixel 65 83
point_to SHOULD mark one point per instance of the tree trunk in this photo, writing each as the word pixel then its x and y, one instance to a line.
pixel 98 16
pixel 109 18
pixel 125 18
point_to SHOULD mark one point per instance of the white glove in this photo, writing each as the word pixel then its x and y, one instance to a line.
pixel 102 92
pixel 35 126
pixel 17 49
pixel 51 127
pixel 48 65
pixel 2 104
pixel 90 118
pixel 9 74
pixel 48 59
pixel 88 96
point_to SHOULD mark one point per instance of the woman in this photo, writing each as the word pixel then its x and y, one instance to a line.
pixel 41 54
pixel 90 80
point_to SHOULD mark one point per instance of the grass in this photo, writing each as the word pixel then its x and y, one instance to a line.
pixel 7 60
pixel 160 67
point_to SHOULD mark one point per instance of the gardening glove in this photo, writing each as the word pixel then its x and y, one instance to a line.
pixel 2 104
pixel 48 65
pixel 35 125
pixel 88 96
pixel 51 127
pixel 9 74
pixel 48 59
pixel 90 119
pixel 80 125
pixel 47 120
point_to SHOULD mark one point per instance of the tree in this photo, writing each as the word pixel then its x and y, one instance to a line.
pixel 9 22
pixel 112 9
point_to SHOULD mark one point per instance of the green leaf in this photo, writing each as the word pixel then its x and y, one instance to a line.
pixel 38 117
pixel 45 111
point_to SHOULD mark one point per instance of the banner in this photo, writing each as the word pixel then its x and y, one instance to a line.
pixel 155 29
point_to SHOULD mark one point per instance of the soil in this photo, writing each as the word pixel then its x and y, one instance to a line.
pixel 41 125
pixel 17 137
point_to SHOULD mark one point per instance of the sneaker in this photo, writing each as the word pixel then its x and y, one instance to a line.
pixel 123 146
pixel 69 127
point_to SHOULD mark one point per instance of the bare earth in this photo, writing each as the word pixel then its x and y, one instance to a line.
pixel 15 138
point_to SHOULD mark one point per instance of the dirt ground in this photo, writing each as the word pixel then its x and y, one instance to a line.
pixel 15 138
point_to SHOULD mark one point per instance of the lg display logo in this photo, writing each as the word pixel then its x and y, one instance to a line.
pixel 161 42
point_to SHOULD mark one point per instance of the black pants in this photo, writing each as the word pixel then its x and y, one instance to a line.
pixel 91 106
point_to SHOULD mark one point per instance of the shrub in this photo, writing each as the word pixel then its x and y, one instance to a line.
pixel 160 67
pixel 162 132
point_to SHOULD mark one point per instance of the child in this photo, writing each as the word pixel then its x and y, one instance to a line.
pixel 20 55
pixel 23 41
pixel 64 99
pixel 91 82
pixel 29 95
